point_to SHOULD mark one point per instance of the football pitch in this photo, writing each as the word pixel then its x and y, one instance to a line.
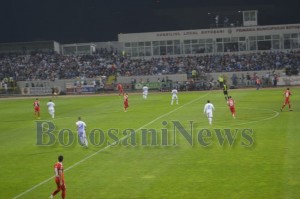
pixel 154 150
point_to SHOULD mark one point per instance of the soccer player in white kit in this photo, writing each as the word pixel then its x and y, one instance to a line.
pixel 50 106
pixel 81 126
pixel 208 111
pixel 174 96
pixel 145 92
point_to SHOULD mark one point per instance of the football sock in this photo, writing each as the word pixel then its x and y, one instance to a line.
pixel 209 120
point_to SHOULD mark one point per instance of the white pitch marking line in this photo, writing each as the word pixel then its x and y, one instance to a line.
pixel 100 150
pixel 255 121
pixel 264 119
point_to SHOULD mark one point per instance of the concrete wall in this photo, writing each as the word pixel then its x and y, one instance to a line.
pixel 44 86
pixel 239 75
pixel 153 78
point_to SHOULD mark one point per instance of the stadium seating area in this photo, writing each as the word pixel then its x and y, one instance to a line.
pixel 50 66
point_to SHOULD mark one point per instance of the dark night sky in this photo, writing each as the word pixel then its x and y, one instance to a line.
pixel 70 21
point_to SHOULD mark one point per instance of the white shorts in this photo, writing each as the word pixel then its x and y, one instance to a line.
pixel 51 110
pixel 209 114
pixel 82 138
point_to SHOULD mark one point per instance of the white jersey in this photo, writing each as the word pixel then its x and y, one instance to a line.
pixel 80 127
pixel 145 89
pixel 208 108
pixel 50 106
pixel 174 92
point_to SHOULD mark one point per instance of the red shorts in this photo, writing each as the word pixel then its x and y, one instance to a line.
pixel 126 104
pixel 232 109
pixel 37 109
pixel 287 101
pixel 60 186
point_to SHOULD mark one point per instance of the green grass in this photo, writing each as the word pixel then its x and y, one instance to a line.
pixel 268 168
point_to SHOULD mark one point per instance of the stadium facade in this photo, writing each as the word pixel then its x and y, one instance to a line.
pixel 212 41
pixel 245 39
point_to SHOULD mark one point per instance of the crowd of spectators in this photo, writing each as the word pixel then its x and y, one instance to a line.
pixel 51 66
